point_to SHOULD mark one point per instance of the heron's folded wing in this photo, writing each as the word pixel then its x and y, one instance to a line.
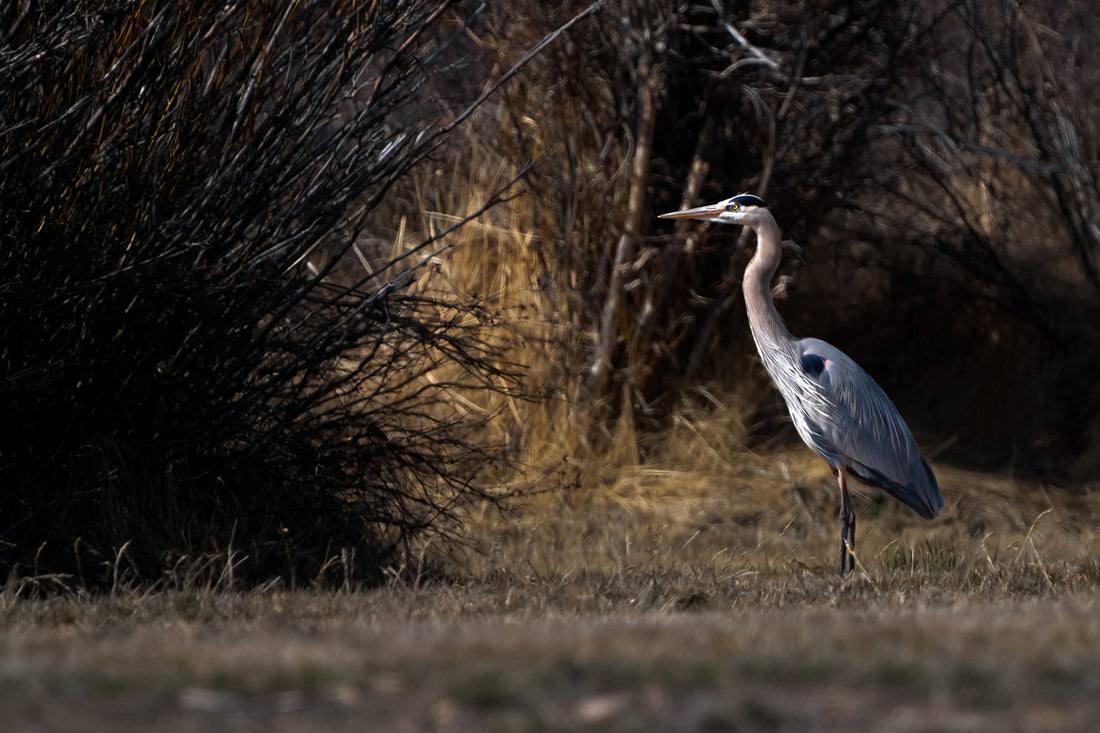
pixel 866 429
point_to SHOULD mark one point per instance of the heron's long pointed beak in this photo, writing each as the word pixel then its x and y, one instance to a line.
pixel 702 212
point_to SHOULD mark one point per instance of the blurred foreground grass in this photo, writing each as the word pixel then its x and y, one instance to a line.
pixel 468 658
pixel 661 602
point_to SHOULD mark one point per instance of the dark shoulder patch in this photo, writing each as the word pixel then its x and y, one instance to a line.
pixel 813 365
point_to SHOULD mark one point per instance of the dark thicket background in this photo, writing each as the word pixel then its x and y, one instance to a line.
pixel 207 349
pixel 936 161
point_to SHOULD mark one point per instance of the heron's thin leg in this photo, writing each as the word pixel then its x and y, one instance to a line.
pixel 847 526
pixel 851 538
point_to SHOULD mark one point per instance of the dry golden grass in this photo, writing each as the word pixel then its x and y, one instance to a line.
pixel 755 521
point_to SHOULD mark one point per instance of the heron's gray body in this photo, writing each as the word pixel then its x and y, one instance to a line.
pixel 837 409
pixel 842 414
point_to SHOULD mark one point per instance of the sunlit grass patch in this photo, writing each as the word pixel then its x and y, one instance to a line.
pixel 705 533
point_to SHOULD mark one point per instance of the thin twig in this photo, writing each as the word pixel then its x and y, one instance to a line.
pixel 741 40
pixel 517 67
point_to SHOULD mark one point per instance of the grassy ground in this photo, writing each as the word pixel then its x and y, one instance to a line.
pixel 461 659
pixel 662 605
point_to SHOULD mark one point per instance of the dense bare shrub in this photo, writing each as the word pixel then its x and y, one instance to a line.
pixel 174 374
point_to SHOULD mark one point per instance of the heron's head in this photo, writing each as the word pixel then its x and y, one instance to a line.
pixel 744 209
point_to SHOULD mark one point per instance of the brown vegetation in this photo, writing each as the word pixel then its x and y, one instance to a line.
pixel 933 162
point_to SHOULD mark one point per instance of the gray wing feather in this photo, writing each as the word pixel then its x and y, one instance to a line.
pixel 862 422
pixel 865 430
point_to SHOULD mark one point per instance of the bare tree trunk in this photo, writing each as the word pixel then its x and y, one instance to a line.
pixel 594 382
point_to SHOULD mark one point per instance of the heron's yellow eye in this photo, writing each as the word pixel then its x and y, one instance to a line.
pixel 733 207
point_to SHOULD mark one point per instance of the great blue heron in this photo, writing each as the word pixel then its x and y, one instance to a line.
pixel 838 410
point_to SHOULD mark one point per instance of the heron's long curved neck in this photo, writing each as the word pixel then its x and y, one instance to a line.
pixel 764 319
